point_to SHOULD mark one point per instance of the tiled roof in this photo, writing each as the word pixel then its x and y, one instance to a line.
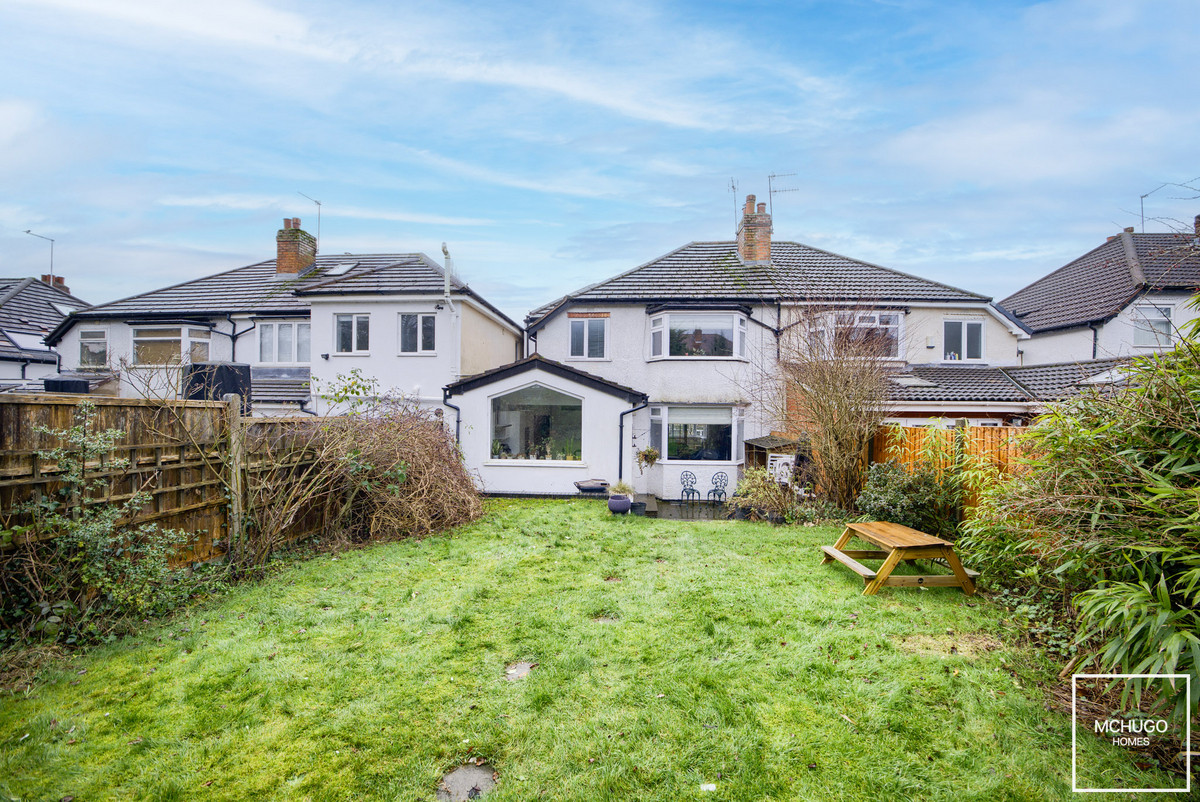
pixel 257 288
pixel 1033 383
pixel 711 271
pixel 539 362
pixel 27 314
pixel 1103 281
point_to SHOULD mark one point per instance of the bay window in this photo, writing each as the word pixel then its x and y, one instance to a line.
pixel 962 339
pixel 698 433
pixel 169 346
pixel 698 334
pixel 352 334
pixel 284 342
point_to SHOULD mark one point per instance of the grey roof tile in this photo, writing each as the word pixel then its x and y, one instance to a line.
pixel 27 314
pixel 1032 383
pixel 1104 280
pixel 707 271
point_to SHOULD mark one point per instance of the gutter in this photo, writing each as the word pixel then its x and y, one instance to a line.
pixel 621 436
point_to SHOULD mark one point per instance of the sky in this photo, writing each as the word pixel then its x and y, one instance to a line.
pixel 551 144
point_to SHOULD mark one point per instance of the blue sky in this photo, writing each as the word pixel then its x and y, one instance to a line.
pixel 553 144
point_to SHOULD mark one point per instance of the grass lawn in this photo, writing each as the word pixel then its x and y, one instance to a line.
pixel 726 654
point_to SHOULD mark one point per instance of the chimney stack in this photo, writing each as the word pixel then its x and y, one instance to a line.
pixel 754 233
pixel 1196 225
pixel 56 281
pixel 295 249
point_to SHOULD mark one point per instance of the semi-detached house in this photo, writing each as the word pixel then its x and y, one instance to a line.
pixel 300 321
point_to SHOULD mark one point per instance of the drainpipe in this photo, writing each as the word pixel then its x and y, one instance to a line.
pixel 1095 339
pixel 455 318
pixel 457 413
pixel 621 436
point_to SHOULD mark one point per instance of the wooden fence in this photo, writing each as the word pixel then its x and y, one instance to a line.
pixel 193 458
pixel 997 445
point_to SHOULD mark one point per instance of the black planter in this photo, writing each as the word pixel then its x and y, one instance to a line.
pixel 619 505
pixel 638 508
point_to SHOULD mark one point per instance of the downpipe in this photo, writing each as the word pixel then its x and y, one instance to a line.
pixel 621 438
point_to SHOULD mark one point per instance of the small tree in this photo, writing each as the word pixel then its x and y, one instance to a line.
pixel 831 383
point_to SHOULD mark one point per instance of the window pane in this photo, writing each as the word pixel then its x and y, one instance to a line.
pixel 285 342
pixel 699 433
pixel 199 334
pixel 94 334
pixel 595 339
pixel 93 353
pixel 427 328
pixel 656 434
pixel 198 352
pixel 362 333
pixel 303 332
pixel 155 352
pixel 701 335
pixel 266 342
pixel 408 334
pixel 577 337
pixel 537 423
pixel 161 333
pixel 952 340
pixel 656 343
pixel 345 334
pixel 974 341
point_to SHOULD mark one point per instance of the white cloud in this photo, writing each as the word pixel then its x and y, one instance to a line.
pixel 250 202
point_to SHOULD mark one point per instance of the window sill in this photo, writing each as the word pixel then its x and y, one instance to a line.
pixel 587 359
pixel 691 463
pixel 698 359
pixel 350 353
pixel 416 353
pixel 535 463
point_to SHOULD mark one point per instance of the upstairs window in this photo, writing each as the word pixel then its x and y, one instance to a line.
pixel 93 348
pixel 853 333
pixel 284 342
pixel 589 338
pixel 1152 326
pixel 694 334
pixel 418 333
pixel 962 339
pixel 352 334
pixel 170 346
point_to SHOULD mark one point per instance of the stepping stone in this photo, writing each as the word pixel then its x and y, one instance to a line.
pixel 518 671
pixel 466 782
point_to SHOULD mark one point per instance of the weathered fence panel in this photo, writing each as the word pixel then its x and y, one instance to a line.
pixel 999 446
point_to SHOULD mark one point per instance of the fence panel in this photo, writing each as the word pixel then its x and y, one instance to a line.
pixel 174 452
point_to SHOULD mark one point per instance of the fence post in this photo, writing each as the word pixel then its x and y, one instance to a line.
pixel 236 465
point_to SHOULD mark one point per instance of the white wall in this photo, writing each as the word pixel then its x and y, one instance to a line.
pixel 598 439
pixel 33 370
pixel 1070 345
pixel 923 327
pixel 1115 338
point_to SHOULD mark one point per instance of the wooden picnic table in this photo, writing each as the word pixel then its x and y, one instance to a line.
pixel 898 543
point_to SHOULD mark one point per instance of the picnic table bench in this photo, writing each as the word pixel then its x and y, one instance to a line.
pixel 898 544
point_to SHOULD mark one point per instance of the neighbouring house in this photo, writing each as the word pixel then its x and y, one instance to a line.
pixel 299 320
pixel 29 310
pixel 1129 296
pixel 672 355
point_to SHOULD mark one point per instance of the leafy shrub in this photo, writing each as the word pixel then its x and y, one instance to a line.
pixel 79 565
pixel 1105 511
pixel 761 496
pixel 921 497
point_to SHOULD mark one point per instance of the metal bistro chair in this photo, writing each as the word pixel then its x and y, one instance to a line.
pixel 720 482
pixel 688 480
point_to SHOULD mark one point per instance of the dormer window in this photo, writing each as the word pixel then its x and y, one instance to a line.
pixel 707 335
pixel 962 340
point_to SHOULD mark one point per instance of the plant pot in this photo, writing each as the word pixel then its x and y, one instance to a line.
pixel 638 508
pixel 619 505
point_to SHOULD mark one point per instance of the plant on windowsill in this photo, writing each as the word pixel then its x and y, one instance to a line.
pixel 620 498
pixel 646 458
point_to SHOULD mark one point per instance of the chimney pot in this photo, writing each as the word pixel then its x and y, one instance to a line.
pixel 1110 239
pixel 1196 225
pixel 295 222
pixel 762 208
pixel 1129 230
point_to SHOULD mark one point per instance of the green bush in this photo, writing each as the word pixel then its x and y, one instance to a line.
pixel 922 497
pixel 1105 516
pixel 760 496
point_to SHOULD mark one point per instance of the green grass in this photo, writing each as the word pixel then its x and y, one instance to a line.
pixel 735 659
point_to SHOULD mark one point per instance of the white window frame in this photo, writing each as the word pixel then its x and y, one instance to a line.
pixel 830 322
pixel 421 350
pixel 660 324
pixel 84 339
pixel 586 324
pixel 274 325
pixel 187 335
pixel 355 317
pixel 1143 328
pixel 963 342
pixel 660 417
